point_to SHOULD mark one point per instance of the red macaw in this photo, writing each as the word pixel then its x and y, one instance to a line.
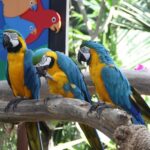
pixel 42 19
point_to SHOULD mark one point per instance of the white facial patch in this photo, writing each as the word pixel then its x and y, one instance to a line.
pixel 14 42
pixel 86 52
pixel 45 61
pixel 13 38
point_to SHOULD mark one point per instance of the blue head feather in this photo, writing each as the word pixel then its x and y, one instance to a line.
pixel 38 54
pixel 101 51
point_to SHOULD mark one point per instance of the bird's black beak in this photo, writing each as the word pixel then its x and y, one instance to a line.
pixel 6 41
pixel 81 57
pixel 41 70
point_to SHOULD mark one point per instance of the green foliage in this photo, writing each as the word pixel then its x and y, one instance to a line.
pixel 7 141
pixel 82 146
pixel 79 29
pixel 66 132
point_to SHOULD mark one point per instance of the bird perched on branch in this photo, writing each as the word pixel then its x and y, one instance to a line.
pixel 111 84
pixel 23 80
pixel 64 78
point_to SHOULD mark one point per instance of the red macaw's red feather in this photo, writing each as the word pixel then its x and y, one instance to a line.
pixel 41 18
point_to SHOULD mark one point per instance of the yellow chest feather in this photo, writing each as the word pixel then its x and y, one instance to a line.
pixel 95 68
pixel 16 74
pixel 56 86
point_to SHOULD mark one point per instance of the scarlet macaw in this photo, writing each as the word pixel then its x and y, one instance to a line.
pixel 42 19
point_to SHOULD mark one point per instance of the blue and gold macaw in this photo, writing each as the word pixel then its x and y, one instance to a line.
pixel 111 84
pixel 65 79
pixel 23 80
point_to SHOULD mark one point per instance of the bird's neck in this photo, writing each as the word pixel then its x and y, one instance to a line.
pixel 94 60
pixel 14 49
pixel 15 58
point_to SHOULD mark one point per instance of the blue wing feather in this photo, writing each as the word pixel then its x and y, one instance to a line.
pixel 75 90
pixel 117 86
pixel 31 78
pixel 119 91
pixel 74 76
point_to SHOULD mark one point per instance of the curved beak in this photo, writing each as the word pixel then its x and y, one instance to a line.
pixel 6 41
pixel 41 70
pixel 56 27
pixel 84 57
pixel 81 57
pixel 34 31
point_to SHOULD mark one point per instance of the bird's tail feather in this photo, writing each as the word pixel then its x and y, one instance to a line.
pixel 46 134
pixel 92 137
pixel 140 103
pixel 34 137
pixel 136 115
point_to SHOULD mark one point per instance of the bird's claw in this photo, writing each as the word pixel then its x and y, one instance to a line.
pixel 41 71
pixel 98 107
pixel 13 104
pixel 48 76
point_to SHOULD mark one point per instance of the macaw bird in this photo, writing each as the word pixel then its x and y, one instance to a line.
pixel 111 84
pixel 23 80
pixel 42 19
pixel 65 78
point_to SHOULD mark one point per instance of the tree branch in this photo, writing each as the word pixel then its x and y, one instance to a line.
pixel 140 80
pixel 99 19
pixel 109 122
pixel 85 18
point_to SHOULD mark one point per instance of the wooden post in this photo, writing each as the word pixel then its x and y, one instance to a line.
pixel 22 141
pixel 59 41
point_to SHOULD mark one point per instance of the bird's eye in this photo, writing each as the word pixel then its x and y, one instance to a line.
pixel 31 3
pixel 31 28
pixel 53 19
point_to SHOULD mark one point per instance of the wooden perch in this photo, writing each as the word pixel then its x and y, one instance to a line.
pixel 110 121
pixel 140 80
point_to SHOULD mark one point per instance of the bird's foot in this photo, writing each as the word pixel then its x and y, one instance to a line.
pixel 98 107
pixel 13 103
